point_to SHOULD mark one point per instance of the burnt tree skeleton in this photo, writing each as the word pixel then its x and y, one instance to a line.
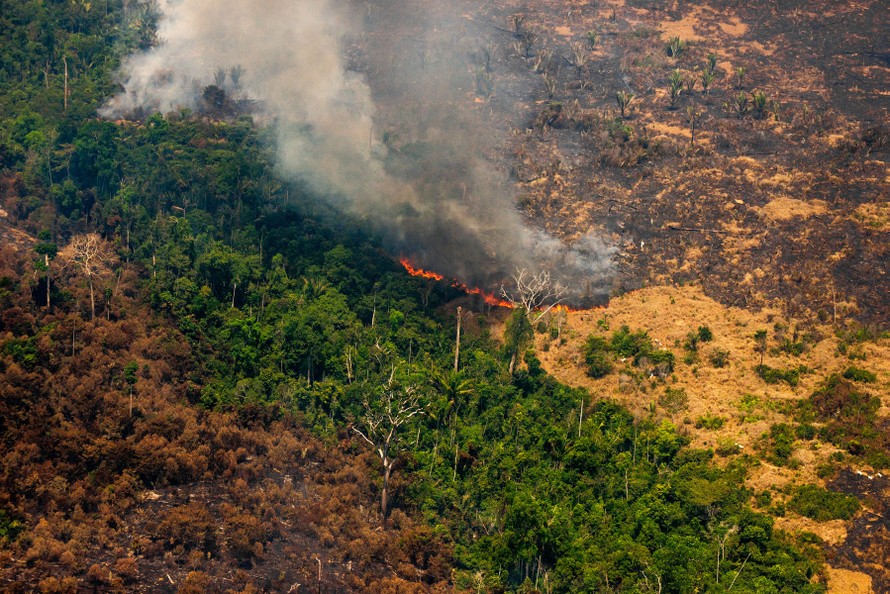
pixel 397 407
pixel 537 294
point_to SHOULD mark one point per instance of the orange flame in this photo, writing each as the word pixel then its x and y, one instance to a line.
pixel 419 271
pixel 489 298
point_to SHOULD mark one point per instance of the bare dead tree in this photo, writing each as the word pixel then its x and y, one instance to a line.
pixel 381 428
pixel 536 294
pixel 92 257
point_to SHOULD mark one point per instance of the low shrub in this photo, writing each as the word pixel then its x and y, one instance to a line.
pixel 778 444
pixel 712 422
pixel 773 376
pixel 719 358
pixel 856 374
pixel 596 355
pixel 674 400
pixel 820 504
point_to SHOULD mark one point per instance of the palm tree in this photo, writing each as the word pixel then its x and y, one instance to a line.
pixel 453 389
pixel 624 99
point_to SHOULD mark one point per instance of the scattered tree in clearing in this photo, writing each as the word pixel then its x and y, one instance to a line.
pixel 381 427
pixel 759 101
pixel 740 77
pixel 675 87
pixel 760 344
pixel 707 78
pixel 675 47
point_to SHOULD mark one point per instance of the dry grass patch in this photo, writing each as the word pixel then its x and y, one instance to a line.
pixel 844 581
pixel 784 208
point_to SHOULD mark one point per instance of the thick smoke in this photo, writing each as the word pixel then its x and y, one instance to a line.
pixel 419 176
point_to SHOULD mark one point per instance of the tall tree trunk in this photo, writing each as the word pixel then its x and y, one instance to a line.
pixel 457 341
pixel 384 493
pixel 46 261
pixel 92 301
pixel 65 92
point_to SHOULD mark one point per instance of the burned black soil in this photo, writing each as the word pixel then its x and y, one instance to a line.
pixel 764 207
pixel 867 546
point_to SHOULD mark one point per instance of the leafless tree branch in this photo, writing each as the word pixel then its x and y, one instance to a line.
pixel 537 293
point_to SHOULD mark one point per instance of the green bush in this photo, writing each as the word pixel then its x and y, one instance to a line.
pixel 719 358
pixel 856 374
pixel 805 431
pixel 712 422
pixel 773 376
pixel 626 344
pixel 630 344
pixel 596 355
pixel 780 444
pixel 662 360
pixel 763 499
pixel 9 527
pixel 820 504
pixel 791 347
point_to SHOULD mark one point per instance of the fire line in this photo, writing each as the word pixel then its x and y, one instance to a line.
pixel 489 298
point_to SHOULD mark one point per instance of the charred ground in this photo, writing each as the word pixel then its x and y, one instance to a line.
pixel 785 204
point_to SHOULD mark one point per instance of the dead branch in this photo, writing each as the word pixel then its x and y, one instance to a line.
pixel 537 294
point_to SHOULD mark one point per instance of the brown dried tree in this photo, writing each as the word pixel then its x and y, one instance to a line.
pixel 92 257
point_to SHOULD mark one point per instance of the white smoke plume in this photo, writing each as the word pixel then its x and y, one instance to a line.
pixel 438 203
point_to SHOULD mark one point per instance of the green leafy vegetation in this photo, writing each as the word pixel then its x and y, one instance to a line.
pixel 856 374
pixel 9 527
pixel 601 354
pixel 773 376
pixel 849 420
pixel 821 504
pixel 778 445
pixel 710 422
pixel 597 355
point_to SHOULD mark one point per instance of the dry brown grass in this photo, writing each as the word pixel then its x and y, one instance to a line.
pixel 668 313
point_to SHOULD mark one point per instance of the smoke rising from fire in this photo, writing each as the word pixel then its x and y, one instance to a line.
pixel 418 173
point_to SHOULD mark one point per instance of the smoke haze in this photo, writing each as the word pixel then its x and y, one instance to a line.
pixel 417 173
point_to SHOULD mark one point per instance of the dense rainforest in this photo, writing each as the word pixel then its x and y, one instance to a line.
pixel 213 381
